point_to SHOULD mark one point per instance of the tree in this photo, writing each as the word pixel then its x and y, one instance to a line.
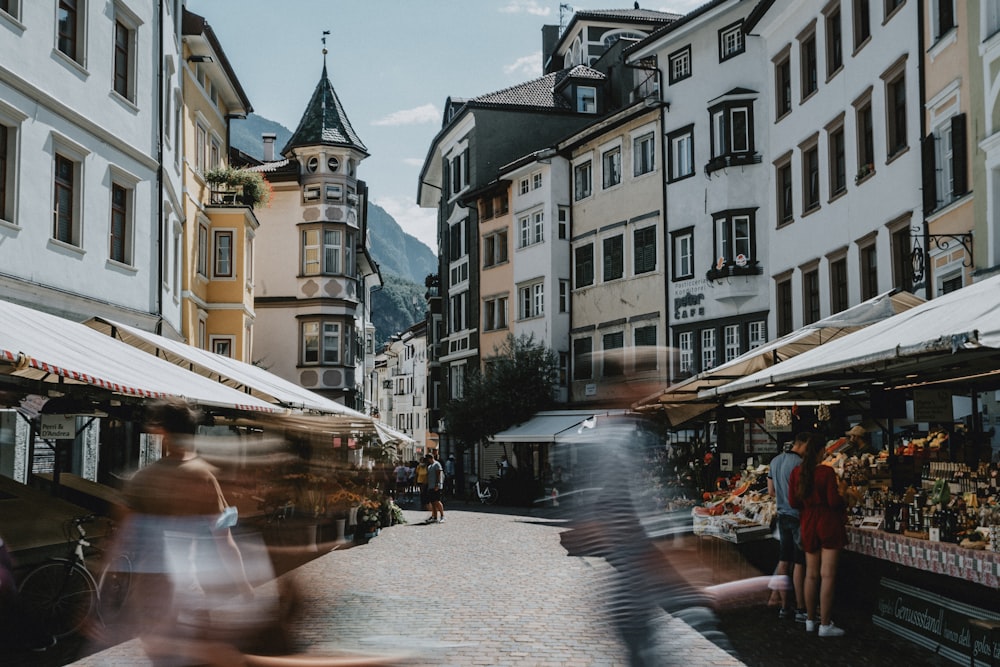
pixel 518 380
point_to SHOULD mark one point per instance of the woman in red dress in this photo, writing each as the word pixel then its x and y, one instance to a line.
pixel 813 490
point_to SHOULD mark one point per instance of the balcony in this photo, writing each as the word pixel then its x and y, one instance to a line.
pixel 731 160
pixel 230 197
pixel 735 283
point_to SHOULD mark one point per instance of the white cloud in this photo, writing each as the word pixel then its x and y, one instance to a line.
pixel 413 161
pixel 526 7
pixel 528 66
pixel 428 113
pixel 415 221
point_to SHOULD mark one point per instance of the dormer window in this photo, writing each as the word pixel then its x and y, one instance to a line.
pixel 312 165
pixel 586 99
pixel 333 164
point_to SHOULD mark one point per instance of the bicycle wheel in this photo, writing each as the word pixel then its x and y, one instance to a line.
pixel 113 587
pixel 58 596
pixel 490 495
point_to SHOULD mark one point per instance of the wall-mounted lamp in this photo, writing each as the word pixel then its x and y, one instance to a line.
pixel 201 59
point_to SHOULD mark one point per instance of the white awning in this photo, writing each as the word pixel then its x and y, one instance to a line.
pixel 962 321
pixel 239 375
pixel 548 426
pixel 681 401
pixel 389 435
pixel 39 346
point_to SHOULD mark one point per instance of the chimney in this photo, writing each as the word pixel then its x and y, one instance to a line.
pixel 550 37
pixel 269 138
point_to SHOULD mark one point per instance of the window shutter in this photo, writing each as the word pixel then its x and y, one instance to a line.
pixel 929 172
pixel 959 155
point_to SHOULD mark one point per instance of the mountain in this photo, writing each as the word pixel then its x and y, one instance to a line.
pixel 403 260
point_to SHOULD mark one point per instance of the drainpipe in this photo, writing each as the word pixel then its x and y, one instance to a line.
pixel 922 93
pixel 159 175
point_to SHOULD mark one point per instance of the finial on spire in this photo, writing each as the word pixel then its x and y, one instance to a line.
pixel 323 39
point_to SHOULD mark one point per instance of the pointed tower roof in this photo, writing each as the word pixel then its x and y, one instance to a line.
pixel 324 122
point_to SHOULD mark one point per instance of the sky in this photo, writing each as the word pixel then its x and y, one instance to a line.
pixel 393 63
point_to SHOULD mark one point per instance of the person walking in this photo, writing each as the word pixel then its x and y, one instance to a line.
pixel 813 490
pixel 435 486
pixel 449 475
pixel 791 571
pixel 420 477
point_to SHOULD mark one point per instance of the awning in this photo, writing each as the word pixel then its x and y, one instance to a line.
pixel 952 336
pixel 548 426
pixel 681 401
pixel 239 375
pixel 38 346
pixel 388 435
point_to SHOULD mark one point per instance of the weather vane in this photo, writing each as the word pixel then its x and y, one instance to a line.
pixel 323 39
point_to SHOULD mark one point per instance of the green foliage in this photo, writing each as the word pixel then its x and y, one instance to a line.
pixel 252 182
pixel 519 380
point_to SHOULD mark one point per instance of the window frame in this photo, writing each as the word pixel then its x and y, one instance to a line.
pixel 732 31
pixel 612 258
pixel 784 181
pixel 723 127
pixel 681 250
pixel 495 249
pixel 531 299
pixel 221 258
pixel 10 135
pixel 74 188
pixel 895 91
pixel 727 233
pixel 839 285
pixel 861 20
pixel 583 357
pixel 810 295
pixel 126 184
pixel 495 313
pixel 584 272
pixel 331 244
pixel 868 261
pixel 865 136
pixel 586 99
pixel 611 167
pixel 833 27
pixel 681 142
pixel 204 255
pixel 682 58
pixel 644 154
pixel 784 314
pixel 583 180
pixel 783 83
pixel 811 187
pixel 125 54
pixel 644 250
pixel 72 44
pixel 808 64
pixel 836 152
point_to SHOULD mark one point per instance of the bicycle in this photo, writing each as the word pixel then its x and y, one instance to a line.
pixel 61 594
pixel 487 493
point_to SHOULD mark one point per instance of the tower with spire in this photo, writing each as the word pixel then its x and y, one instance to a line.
pixel 314 271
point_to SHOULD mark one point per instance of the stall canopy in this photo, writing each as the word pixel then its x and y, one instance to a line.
pixel 241 376
pixel 686 400
pixel 548 426
pixel 390 436
pixel 49 349
pixel 951 338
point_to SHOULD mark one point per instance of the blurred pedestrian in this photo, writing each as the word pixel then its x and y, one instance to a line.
pixel 791 571
pixel 420 480
pixel 435 486
pixel 813 490
pixel 449 476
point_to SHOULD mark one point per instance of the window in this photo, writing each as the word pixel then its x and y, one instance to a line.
pixel 611 163
pixel 457 238
pixel 458 306
pixel 121 224
pixel 644 250
pixel 862 23
pixel 838 160
pixel 203 254
pixel 810 296
pixel 563 296
pixel 683 254
pixel 460 172
pixel 583 263
pixel 810 177
pixel 731 41
pixel 945 168
pixel 902 259
pixel 495 248
pixel 644 339
pixel 834 42
pixel 756 334
pixel 895 101
pixel 681 154
pixel 495 313
pixel 582 181
pixel 214 153
pixel 838 285
pixel 563 222
pixel 783 179
pixel 536 180
pixel 685 345
pixel 680 64
pixel 783 306
pixel 11 7
pixel 321 343
pixel 201 145
pixel 950 284
pixel 222 346
pixel 586 99
pixel 531 229
pixel 333 164
pixel 123 60
pixel 707 349
pixel 807 58
pixel 583 359
pixel 531 300
pixel 643 154
pixel 71 17
pixel 892 5
pixel 991 18
pixel 869 272
pixel 523 187
pixel 783 85
pixel 734 238
pixel 322 251
pixel 866 138
pixel 731 341
pixel 732 128
pixel 7 162
pixel 223 254
pixel 612 363
pixel 66 221
pixel 614 258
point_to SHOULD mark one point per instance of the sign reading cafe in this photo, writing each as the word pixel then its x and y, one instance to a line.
pixel 689 306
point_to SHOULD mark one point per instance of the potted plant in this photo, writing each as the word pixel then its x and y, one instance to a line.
pixel 256 191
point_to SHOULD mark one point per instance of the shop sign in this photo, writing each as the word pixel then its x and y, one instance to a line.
pixel 935 622
pixel 932 405
pixel 57 427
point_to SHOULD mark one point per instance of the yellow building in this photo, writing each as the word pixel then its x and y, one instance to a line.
pixel 219 222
